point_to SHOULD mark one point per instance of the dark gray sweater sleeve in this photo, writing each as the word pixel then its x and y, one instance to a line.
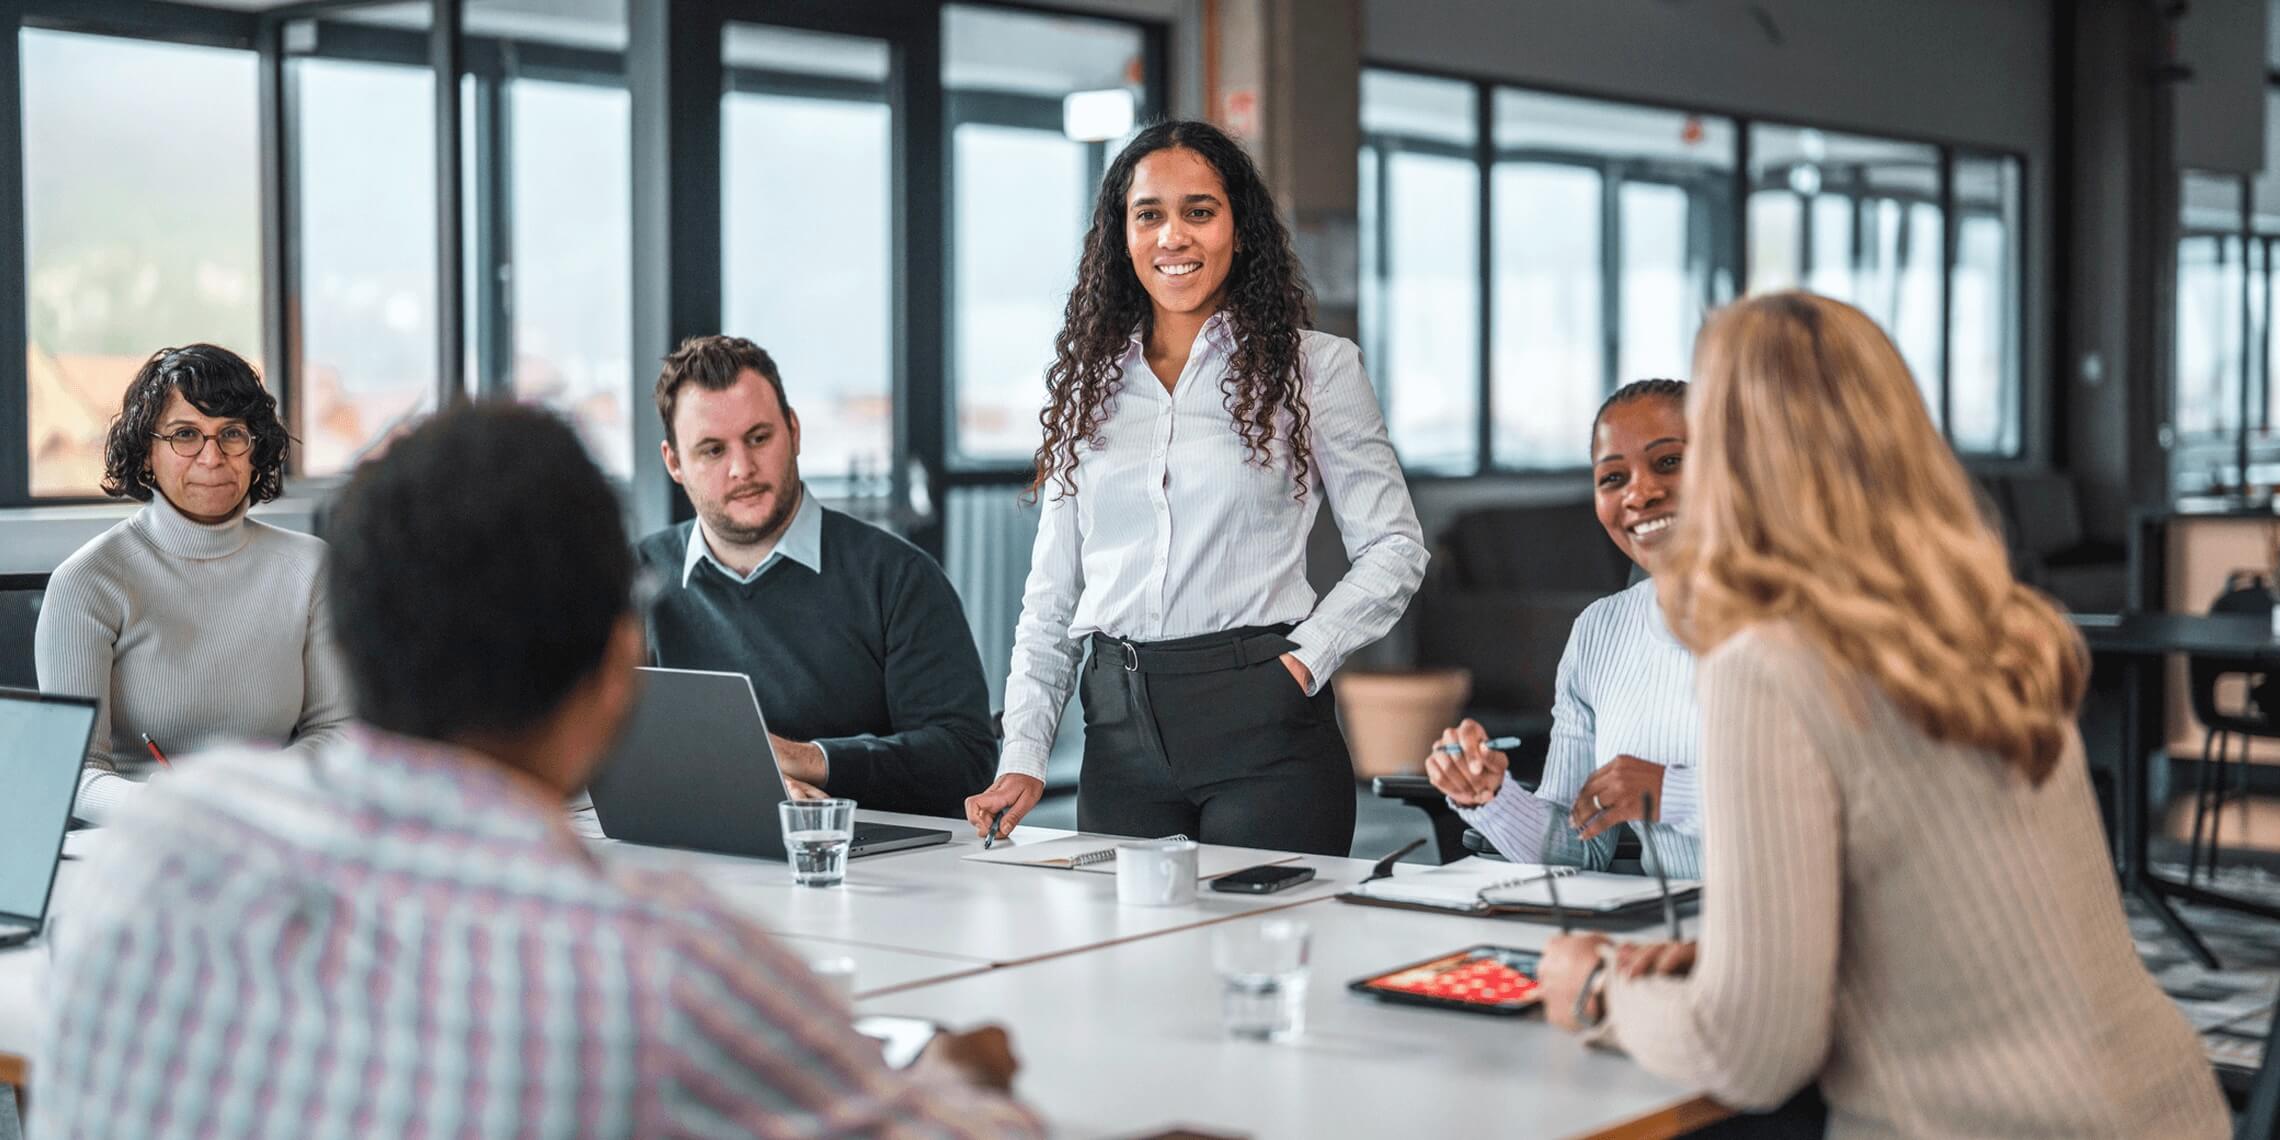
pixel 939 748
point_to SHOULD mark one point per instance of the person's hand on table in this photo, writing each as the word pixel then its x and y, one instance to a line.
pixel 981 1057
pixel 800 761
pixel 802 790
pixel 1472 777
pixel 1615 794
pixel 1012 793
pixel 1562 972
pixel 1654 959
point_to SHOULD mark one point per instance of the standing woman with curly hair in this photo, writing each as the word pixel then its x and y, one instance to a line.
pixel 1194 427
pixel 191 623
pixel 1907 894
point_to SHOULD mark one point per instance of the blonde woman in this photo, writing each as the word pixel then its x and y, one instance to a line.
pixel 1908 895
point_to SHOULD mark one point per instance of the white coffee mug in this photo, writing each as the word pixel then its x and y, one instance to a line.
pixel 1157 872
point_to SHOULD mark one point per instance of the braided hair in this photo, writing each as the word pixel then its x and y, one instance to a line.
pixel 1658 387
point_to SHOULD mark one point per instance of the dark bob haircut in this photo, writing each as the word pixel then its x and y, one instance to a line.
pixel 478 569
pixel 217 382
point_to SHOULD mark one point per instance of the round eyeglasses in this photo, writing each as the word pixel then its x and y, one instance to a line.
pixel 187 442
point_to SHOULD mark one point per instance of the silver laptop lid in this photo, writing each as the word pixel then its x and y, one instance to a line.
pixel 693 768
pixel 43 744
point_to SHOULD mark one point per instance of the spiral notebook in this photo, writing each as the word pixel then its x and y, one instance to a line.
pixel 1491 886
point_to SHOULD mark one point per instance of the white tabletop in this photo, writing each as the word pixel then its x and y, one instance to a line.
pixel 1126 1040
pixel 932 900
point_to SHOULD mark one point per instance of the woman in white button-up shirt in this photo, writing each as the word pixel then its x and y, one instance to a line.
pixel 1194 427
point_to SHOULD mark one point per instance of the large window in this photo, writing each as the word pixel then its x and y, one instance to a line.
pixel 1036 105
pixel 365 159
pixel 1420 289
pixel 806 229
pixel 1613 228
pixel 142 228
pixel 570 177
pixel 1860 221
pixel 2222 398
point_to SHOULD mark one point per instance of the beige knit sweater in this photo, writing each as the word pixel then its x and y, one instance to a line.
pixel 1941 944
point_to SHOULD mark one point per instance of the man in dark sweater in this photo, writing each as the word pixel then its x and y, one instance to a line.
pixel 853 638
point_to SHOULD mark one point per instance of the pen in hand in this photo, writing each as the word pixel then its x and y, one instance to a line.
pixel 1498 744
pixel 155 754
pixel 992 838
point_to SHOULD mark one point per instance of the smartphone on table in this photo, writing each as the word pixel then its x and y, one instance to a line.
pixel 1262 880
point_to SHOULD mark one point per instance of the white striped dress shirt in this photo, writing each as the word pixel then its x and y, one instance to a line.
pixel 1173 531
pixel 1625 688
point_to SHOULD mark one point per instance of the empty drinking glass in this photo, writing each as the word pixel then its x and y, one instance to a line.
pixel 1262 976
pixel 817 834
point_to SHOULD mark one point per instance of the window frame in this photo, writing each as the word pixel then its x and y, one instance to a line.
pixel 1740 184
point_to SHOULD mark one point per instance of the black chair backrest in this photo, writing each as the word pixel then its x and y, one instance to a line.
pixel 2261 1119
pixel 2244 594
pixel 1555 547
pixel 20 596
pixel 2044 513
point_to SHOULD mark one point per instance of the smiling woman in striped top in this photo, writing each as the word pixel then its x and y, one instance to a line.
pixel 1624 721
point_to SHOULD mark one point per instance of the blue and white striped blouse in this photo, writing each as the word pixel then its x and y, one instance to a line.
pixel 1625 688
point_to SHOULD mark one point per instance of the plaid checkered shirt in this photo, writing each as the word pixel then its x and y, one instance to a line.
pixel 395 938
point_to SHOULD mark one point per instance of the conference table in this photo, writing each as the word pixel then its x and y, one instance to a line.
pixel 1114 1009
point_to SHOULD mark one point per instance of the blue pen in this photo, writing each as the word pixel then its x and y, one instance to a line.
pixel 1499 744
pixel 995 820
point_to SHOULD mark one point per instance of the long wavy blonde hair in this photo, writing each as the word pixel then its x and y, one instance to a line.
pixel 1818 493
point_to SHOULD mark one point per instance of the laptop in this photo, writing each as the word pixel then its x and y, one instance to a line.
pixel 43 743
pixel 694 769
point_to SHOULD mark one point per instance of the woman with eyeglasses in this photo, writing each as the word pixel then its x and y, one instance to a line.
pixel 190 622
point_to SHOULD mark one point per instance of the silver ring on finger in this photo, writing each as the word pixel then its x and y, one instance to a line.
pixel 1596 805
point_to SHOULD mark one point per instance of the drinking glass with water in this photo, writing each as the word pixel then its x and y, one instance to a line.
pixel 817 834
pixel 1262 976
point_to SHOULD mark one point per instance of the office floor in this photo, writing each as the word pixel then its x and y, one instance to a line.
pixel 2233 1007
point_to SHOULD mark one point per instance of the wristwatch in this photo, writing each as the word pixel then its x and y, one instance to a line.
pixel 1585 1017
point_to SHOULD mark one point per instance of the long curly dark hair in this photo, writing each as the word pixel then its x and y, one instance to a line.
pixel 1267 303
pixel 217 382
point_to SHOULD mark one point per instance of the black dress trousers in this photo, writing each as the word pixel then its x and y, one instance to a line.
pixel 1212 738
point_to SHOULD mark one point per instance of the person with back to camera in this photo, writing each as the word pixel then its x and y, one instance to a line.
pixel 1194 428
pixel 1906 893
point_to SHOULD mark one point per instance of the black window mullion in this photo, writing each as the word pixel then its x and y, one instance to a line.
pixel 15 330
pixel 446 61
pixel 493 239
pixel 1610 278
pixel 1949 237
pixel 280 337
pixel 1484 161
pixel 2247 224
pixel 1739 186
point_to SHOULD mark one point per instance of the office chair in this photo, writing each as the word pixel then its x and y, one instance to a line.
pixel 2226 779
pixel 20 596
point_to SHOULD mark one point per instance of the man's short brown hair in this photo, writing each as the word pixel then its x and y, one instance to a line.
pixel 713 363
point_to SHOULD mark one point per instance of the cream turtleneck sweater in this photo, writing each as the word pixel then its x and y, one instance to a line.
pixel 193 634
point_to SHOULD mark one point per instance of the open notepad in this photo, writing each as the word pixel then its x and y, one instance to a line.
pixel 1488 886
pixel 1097 853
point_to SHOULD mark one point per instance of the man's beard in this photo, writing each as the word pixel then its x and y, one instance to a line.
pixel 717 519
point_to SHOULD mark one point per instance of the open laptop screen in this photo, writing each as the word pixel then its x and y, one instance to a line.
pixel 42 742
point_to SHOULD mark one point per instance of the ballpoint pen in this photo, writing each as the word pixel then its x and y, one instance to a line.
pixel 991 839
pixel 1498 744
